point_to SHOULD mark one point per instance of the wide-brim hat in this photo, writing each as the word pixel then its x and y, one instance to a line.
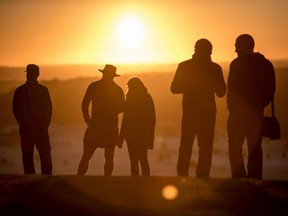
pixel 109 69
pixel 32 68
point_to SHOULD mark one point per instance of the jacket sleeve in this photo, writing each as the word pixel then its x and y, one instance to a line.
pixel 15 106
pixel 269 86
pixel 123 129
pixel 231 85
pixel 177 83
pixel 220 85
pixel 48 106
pixel 85 104
pixel 151 122
pixel 121 102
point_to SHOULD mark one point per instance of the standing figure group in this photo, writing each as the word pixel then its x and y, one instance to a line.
pixel 250 88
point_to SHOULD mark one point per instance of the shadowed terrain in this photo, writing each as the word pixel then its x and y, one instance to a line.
pixel 95 195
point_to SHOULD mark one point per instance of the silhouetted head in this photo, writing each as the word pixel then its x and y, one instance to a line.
pixel 244 44
pixel 136 85
pixel 109 71
pixel 203 46
pixel 32 72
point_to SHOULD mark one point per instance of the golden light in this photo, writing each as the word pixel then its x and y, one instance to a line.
pixel 170 192
pixel 131 40
pixel 130 31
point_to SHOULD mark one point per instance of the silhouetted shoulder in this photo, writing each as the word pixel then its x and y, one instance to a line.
pixel 254 58
pixel 185 63
pixel 20 88
pixel 216 66
pixel 38 87
pixel 42 87
pixel 93 84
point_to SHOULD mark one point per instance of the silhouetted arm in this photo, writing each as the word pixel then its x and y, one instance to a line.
pixel 121 101
pixel 220 87
pixel 16 106
pixel 151 122
pixel 177 83
pixel 123 129
pixel 48 106
pixel 85 104
pixel 232 86
pixel 271 85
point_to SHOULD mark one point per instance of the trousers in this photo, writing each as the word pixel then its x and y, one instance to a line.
pixel 245 125
pixel 30 136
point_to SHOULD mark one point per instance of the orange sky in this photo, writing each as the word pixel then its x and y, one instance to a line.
pixel 163 31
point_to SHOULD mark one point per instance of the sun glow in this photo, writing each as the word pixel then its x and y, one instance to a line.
pixel 130 31
pixel 135 38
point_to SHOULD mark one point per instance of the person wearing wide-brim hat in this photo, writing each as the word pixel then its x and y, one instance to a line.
pixel 107 99
pixel 109 70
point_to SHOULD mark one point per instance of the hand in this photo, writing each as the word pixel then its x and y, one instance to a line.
pixel 89 122
pixel 150 144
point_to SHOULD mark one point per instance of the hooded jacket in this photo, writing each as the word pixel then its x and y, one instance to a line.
pixel 199 79
pixel 251 82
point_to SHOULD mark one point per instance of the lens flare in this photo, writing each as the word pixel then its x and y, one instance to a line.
pixel 170 192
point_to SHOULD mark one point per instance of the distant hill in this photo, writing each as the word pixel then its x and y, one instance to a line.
pixel 64 72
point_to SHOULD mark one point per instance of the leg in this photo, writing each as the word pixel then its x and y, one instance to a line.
pixel 205 137
pixel 44 149
pixel 109 157
pixel 144 162
pixel 134 158
pixel 236 135
pixel 254 141
pixel 27 147
pixel 88 152
pixel 185 150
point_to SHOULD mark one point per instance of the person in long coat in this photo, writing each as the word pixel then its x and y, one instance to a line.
pixel 138 126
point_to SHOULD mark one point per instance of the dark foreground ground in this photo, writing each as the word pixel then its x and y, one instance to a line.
pixel 95 195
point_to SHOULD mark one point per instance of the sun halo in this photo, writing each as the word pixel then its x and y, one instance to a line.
pixel 130 31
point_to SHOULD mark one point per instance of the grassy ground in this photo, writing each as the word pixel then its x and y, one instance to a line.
pixel 121 195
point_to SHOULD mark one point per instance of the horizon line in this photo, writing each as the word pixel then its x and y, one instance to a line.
pixel 125 64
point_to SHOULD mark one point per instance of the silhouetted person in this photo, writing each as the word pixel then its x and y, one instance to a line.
pixel 251 86
pixel 138 126
pixel 107 100
pixel 198 79
pixel 32 108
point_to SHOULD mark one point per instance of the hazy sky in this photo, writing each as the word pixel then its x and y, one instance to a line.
pixel 146 31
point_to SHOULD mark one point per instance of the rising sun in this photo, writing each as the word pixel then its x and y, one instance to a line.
pixel 130 31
